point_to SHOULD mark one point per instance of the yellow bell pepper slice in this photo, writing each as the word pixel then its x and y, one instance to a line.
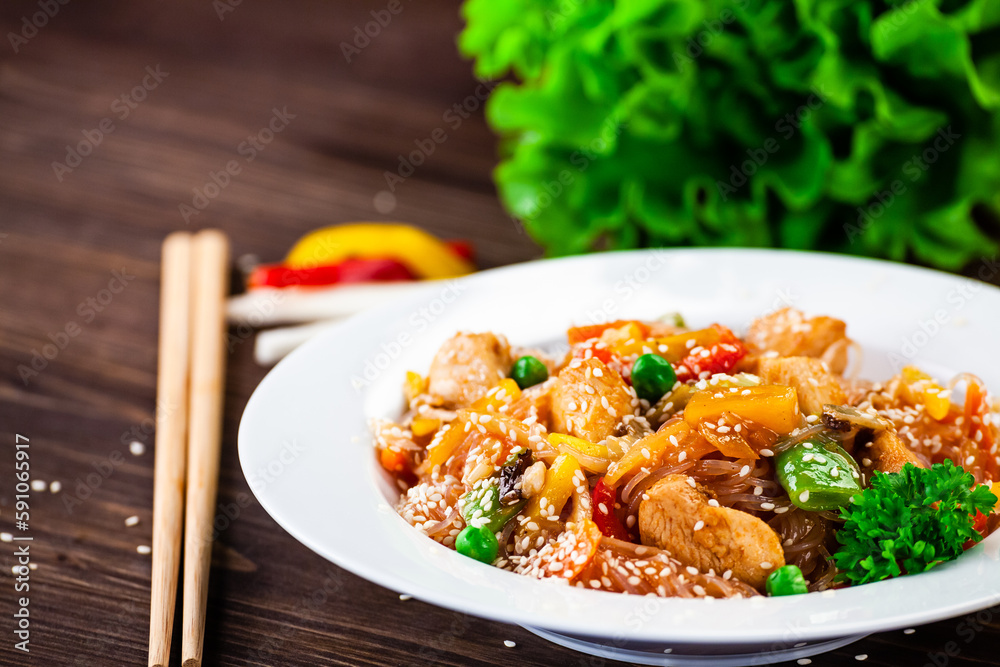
pixel 561 479
pixel 414 385
pixel 422 426
pixel 504 393
pixel 921 388
pixel 659 449
pixel 425 255
pixel 674 348
pixel 592 457
pixel 773 406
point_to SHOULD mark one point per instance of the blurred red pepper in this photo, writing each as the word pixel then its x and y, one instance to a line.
pixel 606 519
pixel 347 271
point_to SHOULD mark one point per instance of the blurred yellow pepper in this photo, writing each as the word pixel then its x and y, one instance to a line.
pixel 425 255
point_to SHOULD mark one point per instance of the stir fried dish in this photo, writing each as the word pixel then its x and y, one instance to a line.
pixel 656 459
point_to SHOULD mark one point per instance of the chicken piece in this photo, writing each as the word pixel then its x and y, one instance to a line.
pixel 677 518
pixel 887 453
pixel 578 398
pixel 789 333
pixel 467 366
pixel 813 384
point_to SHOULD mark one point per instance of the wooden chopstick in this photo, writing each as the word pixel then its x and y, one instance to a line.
pixel 171 444
pixel 210 276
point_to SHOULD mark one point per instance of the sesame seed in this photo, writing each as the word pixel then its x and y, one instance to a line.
pixel 972 459
pixel 692 483
pixel 404 597
pixel 598 373
pixel 861 656
pixel 509 644
pixel 712 502
pixel 908 631
pixel 766 565
pixel 699 525
pixel 780 510
pixel 744 471
pixel 144 549
pixel 6 537
pixel 766 452
pixel 693 571
pixel 804 496
pixel 835 472
pixel 767 506
pixel 55 487
pixel 137 448
pixel 132 521
pixel 804 661
pixel 38 485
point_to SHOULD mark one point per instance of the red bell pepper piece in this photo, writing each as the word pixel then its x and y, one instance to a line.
pixel 463 249
pixel 604 516
pixel 978 525
pixel 348 271
pixel 721 357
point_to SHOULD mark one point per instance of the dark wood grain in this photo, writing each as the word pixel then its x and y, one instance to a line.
pixel 272 601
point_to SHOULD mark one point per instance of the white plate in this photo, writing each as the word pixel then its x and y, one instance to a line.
pixel 306 451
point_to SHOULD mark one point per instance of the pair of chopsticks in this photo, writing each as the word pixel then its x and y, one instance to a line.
pixel 190 386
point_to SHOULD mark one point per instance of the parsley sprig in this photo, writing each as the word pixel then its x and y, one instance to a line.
pixel 910 521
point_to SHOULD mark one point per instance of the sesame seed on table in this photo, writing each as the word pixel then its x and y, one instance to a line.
pixel 92 405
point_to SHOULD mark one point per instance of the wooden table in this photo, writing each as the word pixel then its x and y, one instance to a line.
pixel 156 99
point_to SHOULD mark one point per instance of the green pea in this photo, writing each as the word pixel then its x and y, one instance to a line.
pixel 478 543
pixel 652 377
pixel 529 371
pixel 817 474
pixel 787 580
